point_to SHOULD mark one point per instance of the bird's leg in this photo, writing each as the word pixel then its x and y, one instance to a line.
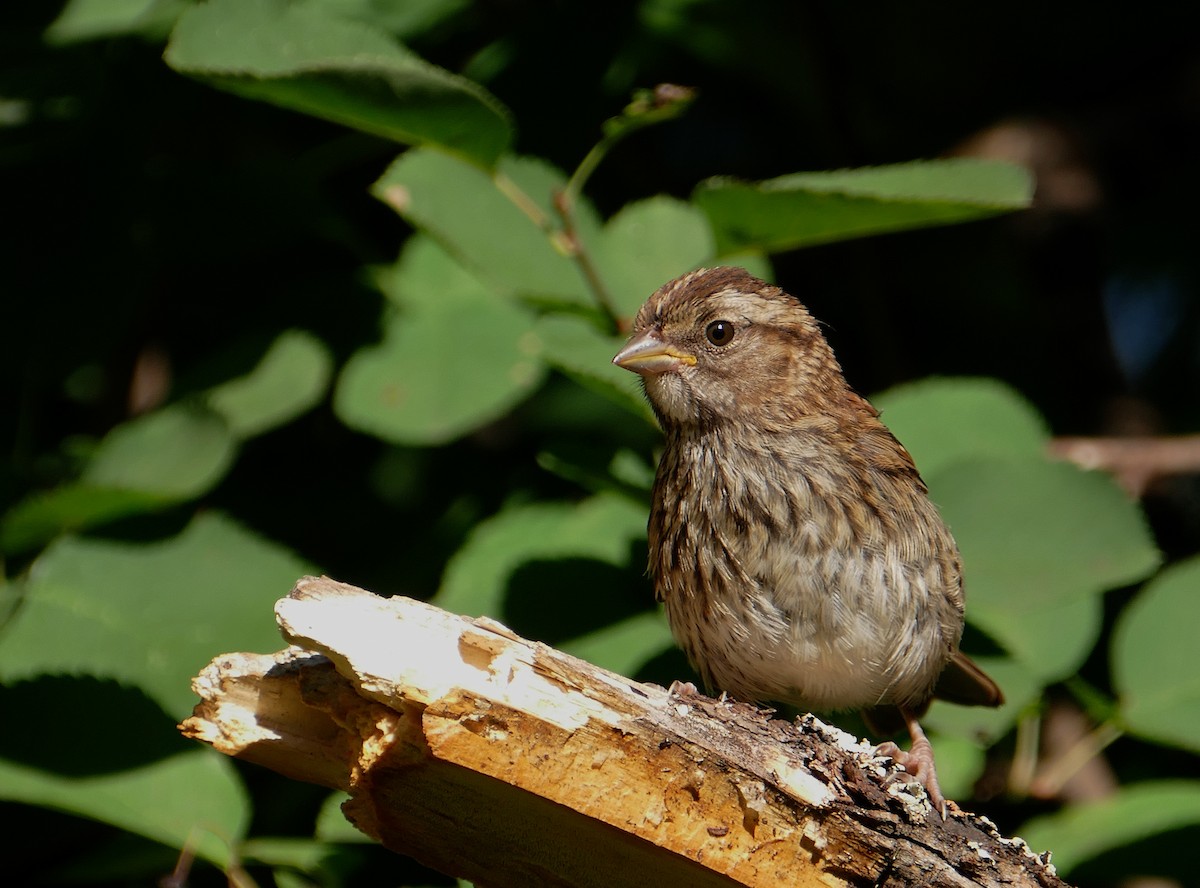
pixel 918 761
pixel 682 689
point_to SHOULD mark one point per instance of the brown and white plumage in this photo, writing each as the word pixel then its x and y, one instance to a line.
pixel 792 540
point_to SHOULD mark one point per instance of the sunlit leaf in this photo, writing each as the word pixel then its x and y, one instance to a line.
pixel 332 825
pixel 625 646
pixel 301 57
pixel 575 346
pixel 177 452
pixel 1082 832
pixel 1154 658
pixel 452 358
pixel 290 379
pixel 940 421
pixel 194 800
pixel 164 457
pixel 493 225
pixel 601 528
pixel 980 724
pixel 149 615
pixel 81 20
pixel 1040 541
pixel 812 208
pixel 648 243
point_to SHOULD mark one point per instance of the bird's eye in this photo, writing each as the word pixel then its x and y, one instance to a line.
pixel 720 332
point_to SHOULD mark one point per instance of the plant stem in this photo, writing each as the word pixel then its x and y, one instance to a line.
pixel 1050 782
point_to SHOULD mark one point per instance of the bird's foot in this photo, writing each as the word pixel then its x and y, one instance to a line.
pixel 918 761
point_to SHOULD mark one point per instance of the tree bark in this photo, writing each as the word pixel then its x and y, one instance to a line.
pixel 509 763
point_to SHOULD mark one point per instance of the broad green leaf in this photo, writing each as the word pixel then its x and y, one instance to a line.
pixel 304 855
pixel 147 463
pixel 1154 665
pixel 812 208
pixel 301 57
pixel 648 243
pixel 426 275
pixel 194 800
pixel 406 19
pixel 600 528
pixel 1082 832
pixel 81 20
pixel 573 345
pixel 494 225
pixel 624 646
pixel 979 724
pixel 67 509
pixel 177 452
pixel 758 264
pixel 332 825
pixel 443 369
pixel 1051 641
pixel 150 615
pixel 290 379
pixel 1040 541
pixel 944 420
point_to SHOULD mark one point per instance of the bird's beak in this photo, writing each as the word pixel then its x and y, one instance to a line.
pixel 649 355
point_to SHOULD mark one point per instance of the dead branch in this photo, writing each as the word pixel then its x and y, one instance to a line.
pixel 509 763
pixel 1136 462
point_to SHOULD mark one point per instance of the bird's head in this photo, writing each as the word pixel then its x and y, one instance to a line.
pixel 719 345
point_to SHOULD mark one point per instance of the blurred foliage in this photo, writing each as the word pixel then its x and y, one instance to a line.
pixel 362 324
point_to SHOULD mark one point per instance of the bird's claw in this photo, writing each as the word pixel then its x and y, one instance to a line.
pixel 918 762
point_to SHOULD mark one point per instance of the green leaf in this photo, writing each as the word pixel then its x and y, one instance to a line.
pixel 573 345
pixel 194 800
pixel 177 452
pixel 81 20
pixel 426 275
pixel 488 223
pixel 70 508
pixel 304 855
pixel 162 458
pixel 625 646
pixel 812 208
pixel 648 243
pixel 454 358
pixel 1082 832
pixel 411 18
pixel 979 724
pixel 600 528
pixel 290 379
pixel 300 57
pixel 941 421
pixel 149 615
pixel 1154 666
pixel 1040 541
pixel 332 825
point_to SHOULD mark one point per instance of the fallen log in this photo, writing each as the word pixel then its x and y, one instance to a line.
pixel 508 763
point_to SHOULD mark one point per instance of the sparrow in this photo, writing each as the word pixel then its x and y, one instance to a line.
pixel 791 539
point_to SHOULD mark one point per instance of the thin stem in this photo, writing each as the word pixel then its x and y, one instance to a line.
pixel 648 107
pixel 1025 755
pixel 523 202
pixel 584 260
pixel 587 166
pixel 1051 781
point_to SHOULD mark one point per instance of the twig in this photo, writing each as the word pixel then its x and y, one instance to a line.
pixel 1135 461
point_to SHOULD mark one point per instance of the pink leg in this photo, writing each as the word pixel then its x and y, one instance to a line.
pixel 918 761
